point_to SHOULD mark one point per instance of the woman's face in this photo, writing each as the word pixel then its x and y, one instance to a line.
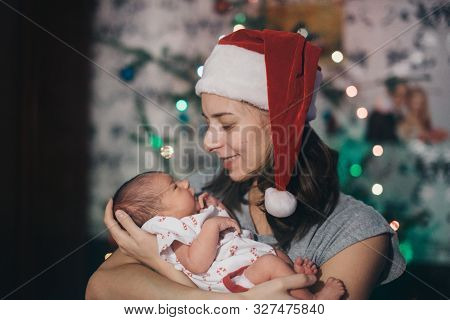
pixel 416 102
pixel 237 132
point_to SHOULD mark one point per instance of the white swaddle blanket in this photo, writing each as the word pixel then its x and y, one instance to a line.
pixel 233 251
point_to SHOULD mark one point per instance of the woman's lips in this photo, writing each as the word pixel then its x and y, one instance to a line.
pixel 229 161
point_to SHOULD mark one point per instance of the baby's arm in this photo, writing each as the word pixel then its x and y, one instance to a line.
pixel 199 256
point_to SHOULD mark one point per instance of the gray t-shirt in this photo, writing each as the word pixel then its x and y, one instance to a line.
pixel 351 221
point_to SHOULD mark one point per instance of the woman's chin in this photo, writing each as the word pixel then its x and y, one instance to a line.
pixel 237 175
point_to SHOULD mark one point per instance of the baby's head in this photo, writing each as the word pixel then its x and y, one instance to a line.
pixel 155 193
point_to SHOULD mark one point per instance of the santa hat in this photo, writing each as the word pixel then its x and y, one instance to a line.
pixel 277 71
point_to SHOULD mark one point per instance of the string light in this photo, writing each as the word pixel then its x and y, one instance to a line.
pixel 377 189
pixel 181 105
pixel 155 141
pixel 362 113
pixel 395 225
pixel 351 91
pixel 406 250
pixel 200 71
pixel 355 170
pixel 167 152
pixel 377 150
pixel 337 56
pixel 238 27
pixel 240 18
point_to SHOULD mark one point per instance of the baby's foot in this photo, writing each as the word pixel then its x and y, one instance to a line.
pixel 333 290
pixel 305 266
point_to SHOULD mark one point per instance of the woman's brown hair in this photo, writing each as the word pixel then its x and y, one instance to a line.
pixel 423 115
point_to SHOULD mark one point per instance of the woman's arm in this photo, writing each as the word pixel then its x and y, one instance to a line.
pixel 129 280
pixel 359 266
pixel 123 277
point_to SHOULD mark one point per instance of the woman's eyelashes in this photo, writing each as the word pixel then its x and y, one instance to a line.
pixel 226 128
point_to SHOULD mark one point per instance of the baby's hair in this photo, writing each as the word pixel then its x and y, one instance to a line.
pixel 138 199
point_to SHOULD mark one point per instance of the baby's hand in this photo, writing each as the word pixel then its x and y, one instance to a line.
pixel 206 200
pixel 223 223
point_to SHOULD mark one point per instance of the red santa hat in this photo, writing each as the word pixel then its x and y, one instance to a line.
pixel 277 71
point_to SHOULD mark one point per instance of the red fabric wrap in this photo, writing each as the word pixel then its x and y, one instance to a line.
pixel 230 285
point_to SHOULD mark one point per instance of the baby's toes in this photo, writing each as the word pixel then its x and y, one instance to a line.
pixel 298 261
pixel 314 269
pixel 299 268
pixel 310 264
pixel 336 283
pixel 306 266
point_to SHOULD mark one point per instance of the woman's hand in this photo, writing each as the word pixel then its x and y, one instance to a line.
pixel 133 241
pixel 277 289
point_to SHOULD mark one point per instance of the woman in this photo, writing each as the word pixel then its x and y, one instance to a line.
pixel 280 181
pixel 417 122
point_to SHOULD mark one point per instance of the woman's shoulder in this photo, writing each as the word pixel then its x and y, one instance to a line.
pixel 353 213
pixel 350 222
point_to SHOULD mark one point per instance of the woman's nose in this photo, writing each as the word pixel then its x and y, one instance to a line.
pixel 212 140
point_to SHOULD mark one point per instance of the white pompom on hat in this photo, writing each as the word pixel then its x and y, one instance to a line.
pixel 277 71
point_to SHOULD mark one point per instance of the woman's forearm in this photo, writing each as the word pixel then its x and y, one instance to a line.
pixel 135 281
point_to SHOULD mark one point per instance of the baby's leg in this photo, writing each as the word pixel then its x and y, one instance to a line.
pixel 270 267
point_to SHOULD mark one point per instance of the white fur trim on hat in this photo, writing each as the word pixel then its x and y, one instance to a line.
pixel 236 73
pixel 240 74
pixel 280 204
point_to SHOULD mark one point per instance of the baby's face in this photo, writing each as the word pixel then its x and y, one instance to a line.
pixel 177 197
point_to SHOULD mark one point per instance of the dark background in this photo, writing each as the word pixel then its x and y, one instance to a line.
pixel 44 116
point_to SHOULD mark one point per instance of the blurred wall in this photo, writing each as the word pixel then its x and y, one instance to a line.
pixel 45 88
pixel 402 38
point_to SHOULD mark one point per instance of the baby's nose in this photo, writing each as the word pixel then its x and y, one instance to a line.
pixel 184 183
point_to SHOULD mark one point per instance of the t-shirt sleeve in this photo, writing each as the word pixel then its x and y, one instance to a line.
pixel 169 229
pixel 354 224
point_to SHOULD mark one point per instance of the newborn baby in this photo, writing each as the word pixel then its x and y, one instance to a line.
pixel 198 241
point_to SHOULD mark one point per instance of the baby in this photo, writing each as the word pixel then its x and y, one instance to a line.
pixel 196 238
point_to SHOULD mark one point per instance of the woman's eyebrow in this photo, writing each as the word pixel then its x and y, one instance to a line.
pixel 217 115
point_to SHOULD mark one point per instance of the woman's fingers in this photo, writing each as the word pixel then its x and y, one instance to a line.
pixel 277 289
pixel 129 225
pixel 111 223
pixel 120 236
pixel 108 218
pixel 297 281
